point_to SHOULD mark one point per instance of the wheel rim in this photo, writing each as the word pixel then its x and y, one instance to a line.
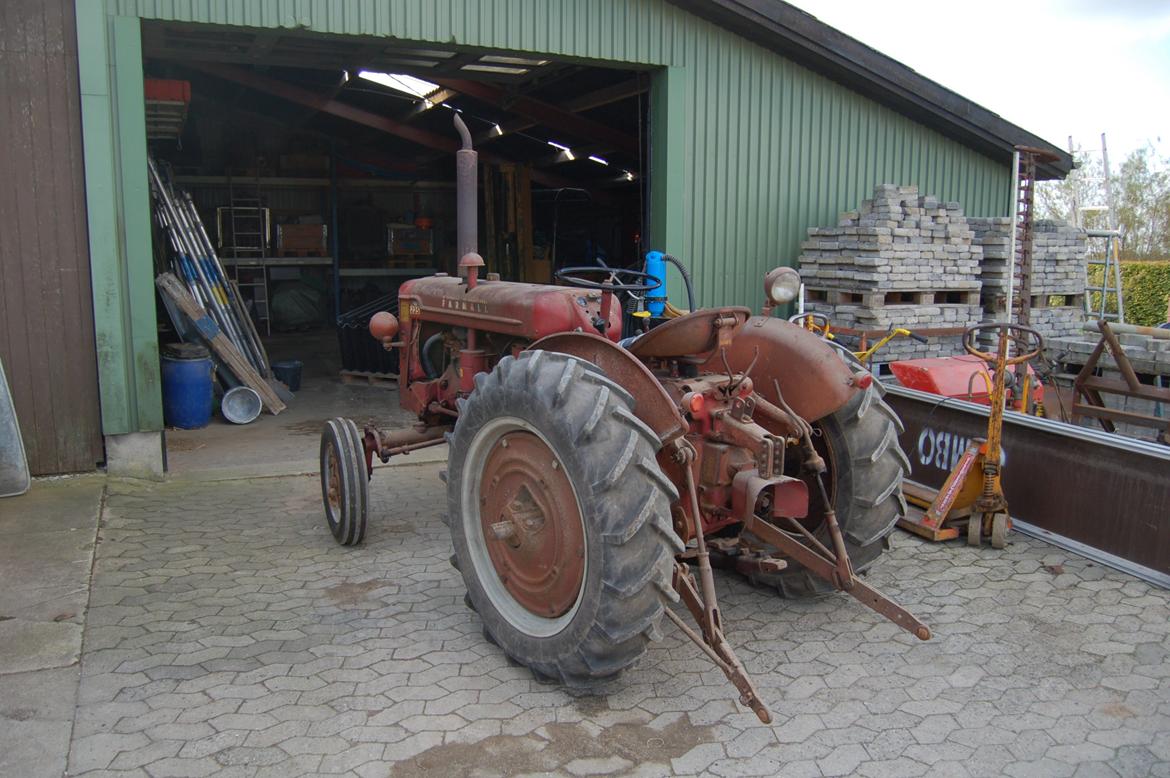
pixel 333 483
pixel 524 529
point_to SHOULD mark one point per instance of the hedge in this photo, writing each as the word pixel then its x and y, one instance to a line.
pixel 1146 285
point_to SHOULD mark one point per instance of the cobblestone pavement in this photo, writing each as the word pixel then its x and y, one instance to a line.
pixel 228 635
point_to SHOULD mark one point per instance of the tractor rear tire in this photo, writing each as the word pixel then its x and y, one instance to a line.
pixel 577 496
pixel 866 467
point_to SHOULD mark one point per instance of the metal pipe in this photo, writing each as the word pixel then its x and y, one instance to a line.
pixel 235 304
pixel 1130 329
pixel 185 238
pixel 213 269
pixel 248 340
pixel 409 437
pixel 1012 247
pixel 466 184
pixel 199 261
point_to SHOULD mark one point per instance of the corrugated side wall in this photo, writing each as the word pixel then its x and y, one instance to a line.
pixel 770 147
pixel 46 307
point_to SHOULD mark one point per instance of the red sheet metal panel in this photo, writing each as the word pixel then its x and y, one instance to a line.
pixel 46 305
pixel 965 377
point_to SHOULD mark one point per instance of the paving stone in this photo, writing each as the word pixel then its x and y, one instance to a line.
pixel 843 761
pixel 96 752
pixel 353 758
pixel 598 766
pixel 269 651
pixel 698 758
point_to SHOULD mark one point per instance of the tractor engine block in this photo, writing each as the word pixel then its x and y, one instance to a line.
pixel 739 465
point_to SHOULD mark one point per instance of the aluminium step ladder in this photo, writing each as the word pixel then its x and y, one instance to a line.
pixel 250 227
pixel 1105 301
pixel 1110 261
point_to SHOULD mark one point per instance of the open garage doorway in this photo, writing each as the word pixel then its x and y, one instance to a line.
pixel 323 169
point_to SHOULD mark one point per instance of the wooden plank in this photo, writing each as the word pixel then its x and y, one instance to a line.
pixel 511 268
pixel 388 380
pixel 488 246
pixel 508 175
pixel 173 288
pixel 531 270
pixel 242 315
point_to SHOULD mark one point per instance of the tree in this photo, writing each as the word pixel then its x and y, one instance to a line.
pixel 1082 191
pixel 1143 205
pixel 1141 192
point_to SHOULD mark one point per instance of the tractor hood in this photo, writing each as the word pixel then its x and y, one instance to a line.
pixel 528 311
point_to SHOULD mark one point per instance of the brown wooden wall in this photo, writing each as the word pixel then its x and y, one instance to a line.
pixel 46 304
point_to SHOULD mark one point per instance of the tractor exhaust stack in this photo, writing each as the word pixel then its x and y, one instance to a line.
pixel 466 184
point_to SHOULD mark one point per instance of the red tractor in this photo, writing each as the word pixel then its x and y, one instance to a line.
pixel 593 480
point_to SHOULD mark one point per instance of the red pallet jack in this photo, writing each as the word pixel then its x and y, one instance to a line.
pixel 973 494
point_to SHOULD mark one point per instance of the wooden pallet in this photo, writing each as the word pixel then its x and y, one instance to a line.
pixel 872 298
pixel 314 252
pixel 388 380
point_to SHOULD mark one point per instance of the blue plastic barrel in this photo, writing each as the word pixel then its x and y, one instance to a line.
pixel 186 379
pixel 288 371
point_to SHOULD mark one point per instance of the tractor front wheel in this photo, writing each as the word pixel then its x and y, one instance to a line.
pixel 560 517
pixel 344 481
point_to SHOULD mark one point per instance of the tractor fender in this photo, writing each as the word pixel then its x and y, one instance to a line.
pixel 813 378
pixel 652 404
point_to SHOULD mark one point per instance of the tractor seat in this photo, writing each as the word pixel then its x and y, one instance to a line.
pixel 692 335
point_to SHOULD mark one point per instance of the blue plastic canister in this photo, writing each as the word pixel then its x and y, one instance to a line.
pixel 187 393
pixel 656 266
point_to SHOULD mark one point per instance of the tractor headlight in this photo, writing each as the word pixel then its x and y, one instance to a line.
pixel 782 285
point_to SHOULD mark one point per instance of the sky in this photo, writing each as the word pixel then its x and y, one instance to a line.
pixel 1054 67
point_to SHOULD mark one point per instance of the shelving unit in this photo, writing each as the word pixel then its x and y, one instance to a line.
pixel 253 269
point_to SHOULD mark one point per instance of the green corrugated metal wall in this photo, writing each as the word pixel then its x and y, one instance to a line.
pixel 766 148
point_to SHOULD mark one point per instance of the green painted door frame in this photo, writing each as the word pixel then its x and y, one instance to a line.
pixel 118 211
pixel 667 232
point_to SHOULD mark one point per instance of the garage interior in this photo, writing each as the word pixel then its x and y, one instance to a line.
pixel 324 172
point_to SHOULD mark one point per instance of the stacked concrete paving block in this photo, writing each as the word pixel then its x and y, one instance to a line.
pixel 1147 355
pixel 1058 273
pixel 901 260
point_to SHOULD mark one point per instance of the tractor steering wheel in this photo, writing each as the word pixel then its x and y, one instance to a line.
pixel 570 276
pixel 1026 337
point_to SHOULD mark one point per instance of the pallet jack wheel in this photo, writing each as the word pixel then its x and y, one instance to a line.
pixel 999 530
pixel 344 481
pixel 975 530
